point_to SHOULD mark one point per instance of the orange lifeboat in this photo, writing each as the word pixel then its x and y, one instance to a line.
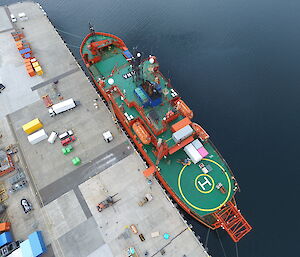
pixel 184 109
pixel 141 132
pixel 200 131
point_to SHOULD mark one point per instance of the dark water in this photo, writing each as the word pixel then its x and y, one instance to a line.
pixel 237 64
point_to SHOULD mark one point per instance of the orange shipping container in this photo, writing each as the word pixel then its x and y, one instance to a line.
pixel 4 226
pixel 31 73
pixel 181 124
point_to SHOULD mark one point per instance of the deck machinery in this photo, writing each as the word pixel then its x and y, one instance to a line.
pixel 177 150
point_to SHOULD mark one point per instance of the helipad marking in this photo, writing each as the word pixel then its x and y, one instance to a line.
pixel 197 183
pixel 198 208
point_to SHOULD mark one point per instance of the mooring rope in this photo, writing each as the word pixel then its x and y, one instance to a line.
pixel 221 244
pixel 236 250
pixel 69 33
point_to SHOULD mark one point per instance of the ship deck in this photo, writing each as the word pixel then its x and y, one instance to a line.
pixel 183 180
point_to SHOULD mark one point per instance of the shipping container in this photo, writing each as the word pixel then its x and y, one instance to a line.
pixel 26 249
pixel 5 238
pixel 37 243
pixel 182 134
pixel 37 137
pixel 5 226
pixel 32 126
pixel 192 153
pixel 181 124
pixel 197 144
pixel 203 152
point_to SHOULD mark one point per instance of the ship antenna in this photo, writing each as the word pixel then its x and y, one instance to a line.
pixel 92 30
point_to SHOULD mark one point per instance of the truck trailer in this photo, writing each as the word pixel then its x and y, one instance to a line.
pixel 62 107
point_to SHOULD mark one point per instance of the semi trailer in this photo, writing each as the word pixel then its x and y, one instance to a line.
pixel 62 107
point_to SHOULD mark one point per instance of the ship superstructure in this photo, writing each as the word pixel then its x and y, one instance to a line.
pixel 177 150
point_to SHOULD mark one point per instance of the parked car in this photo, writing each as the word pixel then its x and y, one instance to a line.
pixel 108 137
pixel 68 140
pixel 27 207
pixel 2 87
pixel 13 18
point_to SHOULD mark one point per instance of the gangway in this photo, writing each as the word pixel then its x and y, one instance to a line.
pixel 230 218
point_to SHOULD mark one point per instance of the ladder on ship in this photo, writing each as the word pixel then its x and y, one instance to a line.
pixel 230 218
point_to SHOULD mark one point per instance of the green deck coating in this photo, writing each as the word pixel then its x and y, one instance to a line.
pixel 185 181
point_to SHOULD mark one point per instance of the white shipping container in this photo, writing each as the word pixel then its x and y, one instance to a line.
pixel 37 137
pixel 197 144
pixel 16 253
pixel 182 134
pixel 192 153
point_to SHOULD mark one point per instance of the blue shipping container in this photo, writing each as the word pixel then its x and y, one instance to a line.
pixel 5 238
pixel 37 243
pixel 26 249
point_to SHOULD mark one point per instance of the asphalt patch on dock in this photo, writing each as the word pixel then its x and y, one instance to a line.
pixel 83 173
pixel 82 203
pixel 61 76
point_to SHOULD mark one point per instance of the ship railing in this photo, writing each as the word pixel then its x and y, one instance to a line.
pixel 219 154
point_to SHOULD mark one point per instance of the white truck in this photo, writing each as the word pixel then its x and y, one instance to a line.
pixel 62 107
pixel 52 137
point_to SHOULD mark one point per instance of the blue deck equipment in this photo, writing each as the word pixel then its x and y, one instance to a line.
pixel 127 54
pixel 142 96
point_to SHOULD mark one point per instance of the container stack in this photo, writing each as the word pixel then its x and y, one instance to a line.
pixel 17 35
pixel 32 65
pixel 29 67
pixel 34 246
pixel 36 66
pixel 33 129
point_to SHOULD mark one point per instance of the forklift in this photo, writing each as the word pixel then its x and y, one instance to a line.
pixel 109 201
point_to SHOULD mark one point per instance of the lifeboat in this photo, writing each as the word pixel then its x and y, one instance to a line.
pixel 200 131
pixel 141 132
pixel 184 109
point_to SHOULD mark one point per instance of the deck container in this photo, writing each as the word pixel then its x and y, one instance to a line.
pixel 192 153
pixel 182 134
pixel 32 126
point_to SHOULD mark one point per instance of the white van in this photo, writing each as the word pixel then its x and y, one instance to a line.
pixel 13 18
pixel 52 137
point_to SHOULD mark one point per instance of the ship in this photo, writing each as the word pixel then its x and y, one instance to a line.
pixel 178 151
